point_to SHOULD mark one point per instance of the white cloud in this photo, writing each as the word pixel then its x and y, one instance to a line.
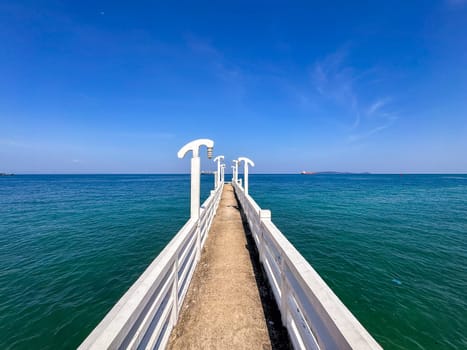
pixel 377 105
pixel 339 82
pixel 364 135
pixel 334 80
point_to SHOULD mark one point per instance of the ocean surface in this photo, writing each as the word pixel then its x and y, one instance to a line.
pixel 393 248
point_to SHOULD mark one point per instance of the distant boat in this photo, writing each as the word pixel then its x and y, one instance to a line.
pixel 307 172
pixel 205 172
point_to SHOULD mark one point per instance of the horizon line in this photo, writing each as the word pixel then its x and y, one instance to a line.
pixel 251 173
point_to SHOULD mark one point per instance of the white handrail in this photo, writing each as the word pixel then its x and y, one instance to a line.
pixel 314 316
pixel 147 312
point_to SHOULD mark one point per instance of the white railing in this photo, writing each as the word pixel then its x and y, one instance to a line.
pixel 144 317
pixel 314 316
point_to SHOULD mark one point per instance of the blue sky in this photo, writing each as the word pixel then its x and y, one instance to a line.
pixel 96 86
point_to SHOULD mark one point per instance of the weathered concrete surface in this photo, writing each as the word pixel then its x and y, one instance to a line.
pixel 223 307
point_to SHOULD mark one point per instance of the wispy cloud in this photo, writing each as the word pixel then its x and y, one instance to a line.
pixel 363 135
pixel 338 81
pixel 224 69
pixel 334 80
pixel 377 105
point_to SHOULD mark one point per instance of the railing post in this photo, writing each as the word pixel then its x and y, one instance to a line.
pixel 213 205
pixel 263 215
pixel 198 240
pixel 175 291
pixel 284 306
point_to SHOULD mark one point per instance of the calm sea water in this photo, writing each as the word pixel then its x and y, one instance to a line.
pixel 393 248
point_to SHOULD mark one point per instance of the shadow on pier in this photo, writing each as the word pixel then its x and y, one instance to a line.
pixel 277 333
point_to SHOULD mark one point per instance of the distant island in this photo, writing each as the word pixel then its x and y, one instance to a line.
pixel 5 174
pixel 331 173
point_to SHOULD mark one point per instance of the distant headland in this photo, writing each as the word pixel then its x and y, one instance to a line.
pixel 331 173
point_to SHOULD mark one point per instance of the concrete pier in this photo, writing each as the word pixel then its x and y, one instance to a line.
pixel 229 279
pixel 223 308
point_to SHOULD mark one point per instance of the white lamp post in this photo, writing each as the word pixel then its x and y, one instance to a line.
pixel 221 179
pixel 235 173
pixel 195 170
pixel 218 178
pixel 246 162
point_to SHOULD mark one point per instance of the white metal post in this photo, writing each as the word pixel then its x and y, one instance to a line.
pixel 233 173
pixel 221 179
pixel 236 170
pixel 245 176
pixel 195 186
pixel 218 160
pixel 215 179
pixel 195 170
pixel 246 162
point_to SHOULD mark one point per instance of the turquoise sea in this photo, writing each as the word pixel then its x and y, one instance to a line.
pixel 393 248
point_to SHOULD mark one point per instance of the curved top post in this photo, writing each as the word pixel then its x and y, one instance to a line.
pixel 246 160
pixel 218 158
pixel 195 171
pixel 235 166
pixel 194 146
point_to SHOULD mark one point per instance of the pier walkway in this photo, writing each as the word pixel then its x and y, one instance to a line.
pixel 223 308
pixel 229 279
